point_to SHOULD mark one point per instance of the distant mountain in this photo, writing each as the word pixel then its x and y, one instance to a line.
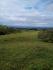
pixel 24 24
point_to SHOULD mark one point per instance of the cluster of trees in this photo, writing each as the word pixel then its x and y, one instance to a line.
pixel 6 30
pixel 46 35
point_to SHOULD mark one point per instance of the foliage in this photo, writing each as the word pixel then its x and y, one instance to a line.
pixel 7 30
pixel 46 35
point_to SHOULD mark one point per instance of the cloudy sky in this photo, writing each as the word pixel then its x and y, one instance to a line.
pixel 37 12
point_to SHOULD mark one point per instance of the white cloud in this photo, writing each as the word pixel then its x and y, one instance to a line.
pixel 12 9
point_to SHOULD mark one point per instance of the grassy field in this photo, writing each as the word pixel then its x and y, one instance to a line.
pixel 23 51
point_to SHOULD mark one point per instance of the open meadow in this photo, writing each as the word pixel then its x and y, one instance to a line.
pixel 23 51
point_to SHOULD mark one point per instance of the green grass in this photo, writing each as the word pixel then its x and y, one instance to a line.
pixel 23 51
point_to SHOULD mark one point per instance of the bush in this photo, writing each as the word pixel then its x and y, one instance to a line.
pixel 3 30
pixel 7 30
pixel 46 35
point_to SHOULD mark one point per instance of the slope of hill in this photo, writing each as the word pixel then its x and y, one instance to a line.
pixel 23 51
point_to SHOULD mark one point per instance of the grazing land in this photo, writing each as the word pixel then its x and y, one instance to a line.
pixel 23 51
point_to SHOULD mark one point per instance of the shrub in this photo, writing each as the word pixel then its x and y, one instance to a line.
pixel 7 30
pixel 46 35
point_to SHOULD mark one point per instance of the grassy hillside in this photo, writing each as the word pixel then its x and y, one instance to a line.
pixel 23 51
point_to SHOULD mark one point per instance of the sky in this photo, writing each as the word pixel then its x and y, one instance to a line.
pixel 35 12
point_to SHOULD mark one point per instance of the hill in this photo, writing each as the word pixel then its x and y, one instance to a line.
pixel 23 51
